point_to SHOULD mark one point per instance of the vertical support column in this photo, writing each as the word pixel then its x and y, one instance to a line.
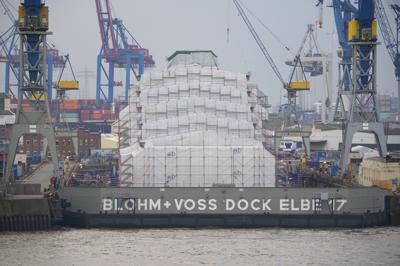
pixel 16 135
pixel 98 79
pixel 141 64
pixel 363 115
pixel 50 59
pixel 12 151
pixel 307 146
pixel 380 140
pixel 277 142
pixel 329 86
pixel 342 100
pixel 110 83
pixel 7 79
pixel 127 76
pixel 324 108
pixel 398 97
pixel 51 140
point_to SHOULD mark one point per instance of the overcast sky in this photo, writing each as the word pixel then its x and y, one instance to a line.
pixel 164 26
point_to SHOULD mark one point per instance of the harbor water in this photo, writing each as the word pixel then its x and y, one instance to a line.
pixel 372 246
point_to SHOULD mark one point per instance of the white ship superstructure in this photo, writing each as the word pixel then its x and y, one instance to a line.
pixel 193 125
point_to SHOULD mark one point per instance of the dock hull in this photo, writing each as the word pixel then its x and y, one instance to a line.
pixel 225 207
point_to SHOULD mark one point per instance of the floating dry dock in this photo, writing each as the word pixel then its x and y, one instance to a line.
pixel 226 207
pixel 192 155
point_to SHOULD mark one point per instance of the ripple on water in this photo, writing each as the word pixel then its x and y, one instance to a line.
pixel 373 246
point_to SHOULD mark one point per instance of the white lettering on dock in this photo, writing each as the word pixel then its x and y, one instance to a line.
pixel 284 205
pixel 225 205
pixel 107 205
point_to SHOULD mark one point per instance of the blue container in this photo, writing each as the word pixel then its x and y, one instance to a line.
pixel 98 127
pixel 293 177
pixel 321 156
pixel 334 169
pixel 38 158
pixel 299 145
pixel 313 164
pixel 14 170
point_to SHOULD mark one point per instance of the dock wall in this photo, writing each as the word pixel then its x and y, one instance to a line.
pixel 27 214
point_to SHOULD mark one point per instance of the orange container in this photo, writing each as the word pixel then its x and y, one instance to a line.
pixel 108 111
pixel 97 116
pixel 385 184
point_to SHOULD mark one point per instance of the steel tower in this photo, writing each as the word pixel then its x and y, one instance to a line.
pixel 32 29
pixel 363 115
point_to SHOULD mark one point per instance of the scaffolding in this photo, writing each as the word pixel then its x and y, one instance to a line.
pixel 195 125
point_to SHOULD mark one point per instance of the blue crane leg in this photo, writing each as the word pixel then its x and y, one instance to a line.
pixel 98 80
pixel 127 78
pixel 141 64
pixel 110 83
pixel 7 79
pixel 50 61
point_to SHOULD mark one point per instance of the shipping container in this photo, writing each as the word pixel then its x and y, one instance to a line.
pixel 69 115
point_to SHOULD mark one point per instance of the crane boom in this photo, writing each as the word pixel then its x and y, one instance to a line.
pixel 259 42
pixel 107 31
pixel 387 33
pixel 8 12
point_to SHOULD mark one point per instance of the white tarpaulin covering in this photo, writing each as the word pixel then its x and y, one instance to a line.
pixel 193 125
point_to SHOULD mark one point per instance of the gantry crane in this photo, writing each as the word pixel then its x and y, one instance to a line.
pixel 391 40
pixel 33 24
pixel 357 33
pixel 291 125
pixel 317 63
pixel 344 11
pixel 363 115
pixel 117 52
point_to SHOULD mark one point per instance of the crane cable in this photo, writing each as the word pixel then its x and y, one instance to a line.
pixel 12 6
pixel 267 28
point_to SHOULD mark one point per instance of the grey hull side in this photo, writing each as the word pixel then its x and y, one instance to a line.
pixel 224 207
pixel 74 219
